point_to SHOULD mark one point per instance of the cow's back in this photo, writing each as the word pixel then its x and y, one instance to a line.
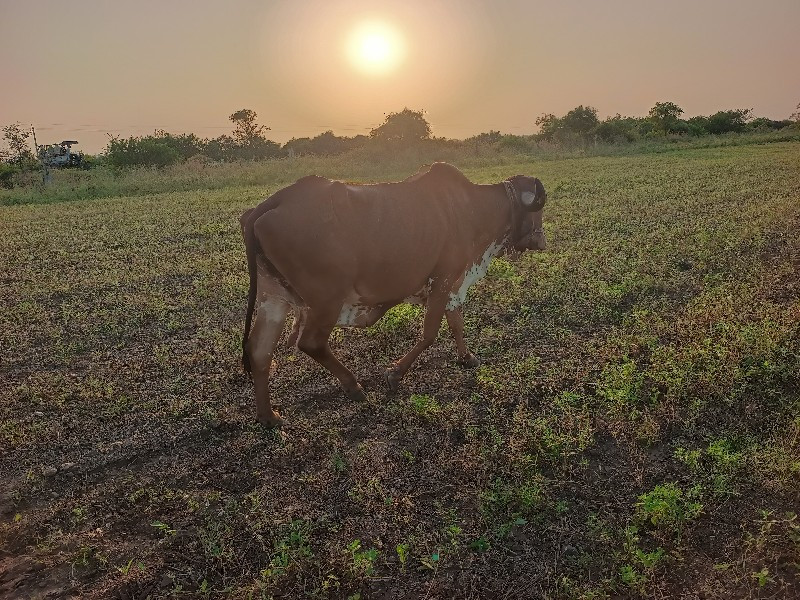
pixel 381 241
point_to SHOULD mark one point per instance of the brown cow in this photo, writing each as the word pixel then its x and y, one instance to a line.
pixel 342 254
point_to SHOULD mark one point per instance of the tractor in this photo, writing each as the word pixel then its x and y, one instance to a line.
pixel 59 155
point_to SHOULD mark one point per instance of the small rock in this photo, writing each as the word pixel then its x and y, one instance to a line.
pixel 38 413
pixel 49 471
pixel 570 550
pixel 67 466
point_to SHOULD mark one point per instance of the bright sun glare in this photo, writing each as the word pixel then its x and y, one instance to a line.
pixel 375 48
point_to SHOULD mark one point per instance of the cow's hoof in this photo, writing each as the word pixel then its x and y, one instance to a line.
pixel 357 395
pixel 469 361
pixel 392 380
pixel 271 419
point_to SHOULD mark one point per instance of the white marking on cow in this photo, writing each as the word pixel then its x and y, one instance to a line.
pixel 350 314
pixel 421 296
pixel 474 274
pixel 273 309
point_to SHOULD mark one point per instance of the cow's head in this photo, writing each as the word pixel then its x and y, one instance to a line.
pixel 530 197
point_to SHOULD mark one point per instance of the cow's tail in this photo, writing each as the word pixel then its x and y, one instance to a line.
pixel 251 249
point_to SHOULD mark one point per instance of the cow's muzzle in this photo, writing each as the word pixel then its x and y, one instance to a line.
pixel 538 240
pixel 535 240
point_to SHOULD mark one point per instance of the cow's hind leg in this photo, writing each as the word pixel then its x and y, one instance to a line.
pixel 299 317
pixel 456 322
pixel 270 319
pixel 313 341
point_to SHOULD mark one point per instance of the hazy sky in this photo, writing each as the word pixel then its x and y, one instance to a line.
pixel 80 69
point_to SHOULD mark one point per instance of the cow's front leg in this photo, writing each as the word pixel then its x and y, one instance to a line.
pixel 455 321
pixel 434 312
pixel 313 341
pixel 270 320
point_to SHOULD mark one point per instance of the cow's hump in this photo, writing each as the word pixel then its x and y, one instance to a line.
pixel 446 172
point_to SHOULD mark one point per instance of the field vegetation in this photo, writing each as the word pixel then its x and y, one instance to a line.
pixel 407 132
pixel 633 430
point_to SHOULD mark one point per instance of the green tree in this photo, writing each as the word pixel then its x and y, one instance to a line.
pixel 617 129
pixel 248 140
pixel 698 126
pixel 581 121
pixel 185 144
pixel 406 127
pixel 795 116
pixel 17 140
pixel 727 121
pixel 549 125
pixel 247 131
pixel 666 117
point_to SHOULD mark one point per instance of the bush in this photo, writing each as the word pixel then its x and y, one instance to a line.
pixel 574 128
pixel 765 124
pixel 147 151
pixel 698 126
pixel 7 175
pixel 617 129
pixel 728 121
pixel 325 144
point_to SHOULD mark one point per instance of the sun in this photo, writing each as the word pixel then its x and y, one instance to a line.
pixel 375 48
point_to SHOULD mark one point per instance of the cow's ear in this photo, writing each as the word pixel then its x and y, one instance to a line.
pixel 534 200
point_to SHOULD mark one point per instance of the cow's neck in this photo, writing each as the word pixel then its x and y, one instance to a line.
pixel 496 214
pixel 492 212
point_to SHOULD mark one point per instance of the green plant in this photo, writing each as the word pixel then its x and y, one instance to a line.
pixel 362 561
pixel 715 466
pixel 762 577
pixel 398 319
pixel 402 555
pixel 668 508
pixel 431 562
pixel 621 383
pixel 480 545
pixel 163 528
pixel 292 546
pixel 339 462
pixel 125 569
pixel 424 405
pixel 631 577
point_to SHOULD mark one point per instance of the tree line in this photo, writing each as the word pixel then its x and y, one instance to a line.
pixel 664 119
pixel 248 140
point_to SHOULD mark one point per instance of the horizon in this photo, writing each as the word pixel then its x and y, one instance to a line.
pixel 344 67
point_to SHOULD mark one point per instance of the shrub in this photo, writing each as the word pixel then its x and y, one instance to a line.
pixel 728 121
pixel 146 151
pixel 667 507
pixel 7 175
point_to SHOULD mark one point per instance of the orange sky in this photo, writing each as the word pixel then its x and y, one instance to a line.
pixel 86 68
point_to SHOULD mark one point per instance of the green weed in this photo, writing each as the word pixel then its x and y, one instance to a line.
pixel 362 561
pixel 424 405
pixel 668 508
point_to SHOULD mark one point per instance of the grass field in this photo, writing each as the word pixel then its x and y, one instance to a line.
pixel 633 431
